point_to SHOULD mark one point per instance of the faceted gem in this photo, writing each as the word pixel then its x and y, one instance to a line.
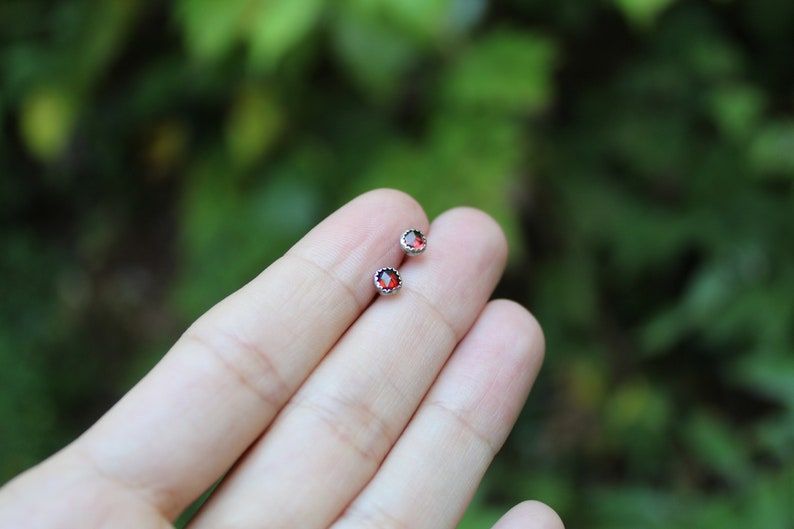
pixel 413 242
pixel 387 280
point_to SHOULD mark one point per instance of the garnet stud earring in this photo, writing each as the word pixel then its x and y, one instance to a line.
pixel 413 242
pixel 387 281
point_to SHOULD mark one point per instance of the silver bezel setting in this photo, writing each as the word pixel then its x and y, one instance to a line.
pixel 408 249
pixel 387 291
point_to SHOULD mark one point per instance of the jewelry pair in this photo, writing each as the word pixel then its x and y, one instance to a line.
pixel 387 280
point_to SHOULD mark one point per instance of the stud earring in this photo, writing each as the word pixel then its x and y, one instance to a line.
pixel 413 242
pixel 387 281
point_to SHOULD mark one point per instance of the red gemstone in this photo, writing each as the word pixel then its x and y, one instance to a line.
pixel 414 241
pixel 387 280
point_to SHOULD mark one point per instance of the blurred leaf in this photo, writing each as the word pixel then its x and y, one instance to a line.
pixel 166 146
pixel 376 55
pixel 630 507
pixel 277 26
pixel 270 27
pixel 772 150
pixel 661 332
pixel 466 14
pixel 253 124
pixel 424 18
pixel 586 383
pixel 769 375
pixel 728 299
pixel 47 118
pixel 737 109
pixel 769 504
pixel 569 291
pixel 212 28
pixel 710 290
pixel 716 445
pixel 636 415
pixel 101 35
pixel 776 436
pixel 709 54
pixel 504 71
pixel 423 22
pixel 642 13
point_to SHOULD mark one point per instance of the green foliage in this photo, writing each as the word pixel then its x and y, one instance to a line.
pixel 642 13
pixel 639 155
pixel 270 28
pixel 46 122
pixel 503 72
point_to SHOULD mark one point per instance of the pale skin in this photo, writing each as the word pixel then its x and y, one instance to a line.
pixel 331 410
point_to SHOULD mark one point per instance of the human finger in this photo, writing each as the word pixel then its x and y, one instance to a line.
pixel 530 515
pixel 431 474
pixel 331 438
pixel 225 379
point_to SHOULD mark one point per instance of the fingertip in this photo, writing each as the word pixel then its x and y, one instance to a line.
pixel 480 230
pixel 522 329
pixel 387 199
pixel 530 515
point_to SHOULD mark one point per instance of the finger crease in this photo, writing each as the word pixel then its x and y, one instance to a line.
pixel 156 497
pixel 351 293
pixel 466 426
pixel 440 316
pixel 374 517
pixel 355 424
pixel 273 391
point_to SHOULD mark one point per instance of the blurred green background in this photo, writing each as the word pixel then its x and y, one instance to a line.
pixel 638 153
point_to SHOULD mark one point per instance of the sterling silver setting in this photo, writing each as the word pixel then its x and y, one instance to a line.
pixel 387 281
pixel 413 242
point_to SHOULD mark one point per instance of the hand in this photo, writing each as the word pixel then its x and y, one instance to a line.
pixel 331 410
